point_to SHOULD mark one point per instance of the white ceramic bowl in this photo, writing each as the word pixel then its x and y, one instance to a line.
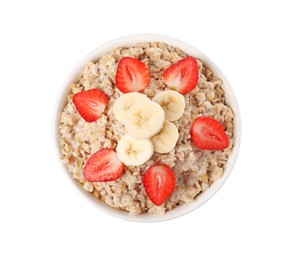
pixel 230 100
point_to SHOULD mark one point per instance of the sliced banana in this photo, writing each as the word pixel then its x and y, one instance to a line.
pixel 172 102
pixel 144 119
pixel 124 103
pixel 165 140
pixel 132 151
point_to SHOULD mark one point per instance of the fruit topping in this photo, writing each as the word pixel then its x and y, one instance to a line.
pixel 90 104
pixel 132 75
pixel 103 166
pixel 159 183
pixel 208 134
pixel 183 75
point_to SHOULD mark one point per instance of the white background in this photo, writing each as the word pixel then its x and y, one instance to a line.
pixel 43 217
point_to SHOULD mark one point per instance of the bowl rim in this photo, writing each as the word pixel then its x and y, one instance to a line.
pixel 127 41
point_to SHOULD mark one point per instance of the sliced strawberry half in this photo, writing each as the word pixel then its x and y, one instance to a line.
pixel 132 75
pixel 103 166
pixel 90 104
pixel 208 134
pixel 182 75
pixel 159 182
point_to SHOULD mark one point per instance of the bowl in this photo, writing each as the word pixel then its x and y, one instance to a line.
pixel 231 100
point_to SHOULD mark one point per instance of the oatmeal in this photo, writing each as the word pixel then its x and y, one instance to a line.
pixel 194 169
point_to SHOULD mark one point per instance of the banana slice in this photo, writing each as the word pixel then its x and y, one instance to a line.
pixel 172 102
pixel 166 139
pixel 132 151
pixel 123 104
pixel 144 119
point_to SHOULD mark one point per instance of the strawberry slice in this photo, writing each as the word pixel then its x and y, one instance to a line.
pixel 208 134
pixel 132 75
pixel 103 166
pixel 182 75
pixel 90 104
pixel 159 182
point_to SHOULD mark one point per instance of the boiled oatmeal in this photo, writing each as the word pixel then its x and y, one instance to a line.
pixel 193 166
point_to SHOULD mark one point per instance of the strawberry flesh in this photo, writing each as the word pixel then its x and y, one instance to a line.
pixel 132 75
pixel 208 134
pixel 90 104
pixel 103 166
pixel 159 182
pixel 182 75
